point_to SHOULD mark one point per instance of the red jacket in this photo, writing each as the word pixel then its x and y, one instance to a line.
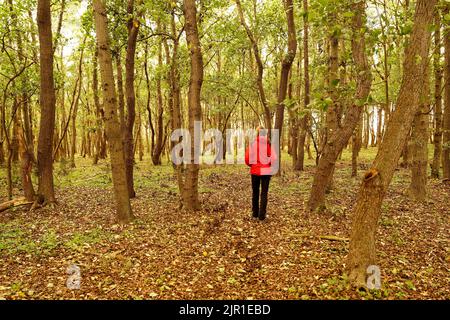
pixel 260 156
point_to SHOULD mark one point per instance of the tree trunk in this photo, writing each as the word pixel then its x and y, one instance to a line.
pixel 25 135
pixel 356 147
pixel 304 121
pixel 175 99
pixel 47 103
pixel 123 207
pixel 79 83
pixel 437 137
pixel 379 126
pixel 260 67
pixel 26 166
pixel 133 30
pixel 339 139
pixel 366 128
pixel 419 144
pixel 376 181
pixel 446 124
pixel 286 66
pixel 190 194
pixel 158 149
pixel 98 111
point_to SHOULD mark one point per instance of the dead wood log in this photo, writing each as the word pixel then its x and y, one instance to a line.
pixel 14 203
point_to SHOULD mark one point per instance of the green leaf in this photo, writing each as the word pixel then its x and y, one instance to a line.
pixel 348 14
pixel 447 17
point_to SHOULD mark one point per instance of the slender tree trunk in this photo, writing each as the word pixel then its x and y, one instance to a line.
pixel 286 67
pixel 98 110
pixel 366 128
pixel 22 115
pixel 149 111
pixel 175 105
pixel 260 67
pixel 47 102
pixel 379 126
pixel 339 139
pixel 437 137
pixel 304 121
pixel 446 124
pixel 133 30
pixel 73 149
pixel 294 129
pixel 376 181
pixel 158 149
pixel 15 132
pixel 120 92
pixel 190 195
pixel 419 144
pixel 123 207
pixel 356 147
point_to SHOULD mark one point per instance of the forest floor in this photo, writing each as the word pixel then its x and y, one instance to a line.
pixel 219 252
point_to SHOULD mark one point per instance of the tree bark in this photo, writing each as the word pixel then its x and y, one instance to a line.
pixel 98 109
pixel 304 121
pixel 113 132
pixel 190 194
pixel 438 72
pixel 133 30
pixel 446 124
pixel 419 144
pixel 286 66
pixel 158 149
pixel 26 150
pixel 76 98
pixel 174 101
pixel 356 147
pixel 47 103
pixel 376 181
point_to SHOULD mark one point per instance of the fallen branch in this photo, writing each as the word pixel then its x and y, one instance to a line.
pixel 14 203
pixel 331 238
pixel 334 238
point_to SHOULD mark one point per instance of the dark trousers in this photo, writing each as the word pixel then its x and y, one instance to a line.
pixel 259 210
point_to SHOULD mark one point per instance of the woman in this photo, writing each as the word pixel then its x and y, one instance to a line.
pixel 260 157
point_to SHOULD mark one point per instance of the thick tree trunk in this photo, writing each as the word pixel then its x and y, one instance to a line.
pixel 339 139
pixel 437 136
pixel 47 102
pixel 190 193
pixel 123 207
pixel 376 181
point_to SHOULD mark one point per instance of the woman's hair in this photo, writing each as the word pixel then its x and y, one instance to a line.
pixel 261 131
